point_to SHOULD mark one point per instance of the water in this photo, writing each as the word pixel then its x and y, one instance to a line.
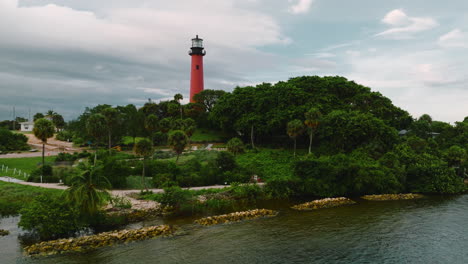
pixel 433 230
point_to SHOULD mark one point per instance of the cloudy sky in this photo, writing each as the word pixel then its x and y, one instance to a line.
pixel 68 54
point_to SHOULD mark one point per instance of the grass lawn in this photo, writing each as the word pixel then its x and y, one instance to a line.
pixel 24 164
pixel 14 196
pixel 129 140
pixel 204 135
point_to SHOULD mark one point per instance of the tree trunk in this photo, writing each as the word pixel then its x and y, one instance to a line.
pixel 177 159
pixel 143 182
pixel 294 147
pixel 252 136
pixel 43 159
pixel 110 142
pixel 95 154
pixel 310 141
pixel 180 111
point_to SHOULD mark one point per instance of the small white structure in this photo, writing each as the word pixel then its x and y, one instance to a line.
pixel 27 126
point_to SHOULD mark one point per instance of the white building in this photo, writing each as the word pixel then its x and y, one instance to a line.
pixel 27 126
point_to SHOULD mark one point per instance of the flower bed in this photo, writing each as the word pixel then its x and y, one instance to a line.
pixel 97 241
pixel 236 217
pixel 392 197
pixel 323 203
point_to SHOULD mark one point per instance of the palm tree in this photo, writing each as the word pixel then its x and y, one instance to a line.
pixel 88 191
pixel 178 97
pixel 295 128
pixel 312 118
pixel 178 140
pixel 143 148
pixel 112 118
pixel 96 127
pixel 151 125
pixel 43 129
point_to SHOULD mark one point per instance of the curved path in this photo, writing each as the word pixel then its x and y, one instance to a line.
pixel 136 204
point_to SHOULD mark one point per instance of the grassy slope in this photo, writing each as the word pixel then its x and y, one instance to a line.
pixel 14 196
pixel 24 164
pixel 204 135
pixel 269 163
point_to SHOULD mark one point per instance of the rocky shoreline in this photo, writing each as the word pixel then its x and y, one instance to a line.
pixel 323 203
pixel 392 197
pixel 236 217
pixel 96 241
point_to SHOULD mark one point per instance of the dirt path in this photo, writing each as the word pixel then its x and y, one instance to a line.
pixel 52 144
pixel 52 148
pixel 136 204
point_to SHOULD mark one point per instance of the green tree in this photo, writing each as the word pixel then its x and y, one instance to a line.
pixel 312 121
pixel 178 97
pixel 208 98
pixel 111 116
pixel 143 148
pixel 178 140
pixel 456 156
pixel 58 121
pixel 151 125
pixel 50 217
pixel 295 128
pixel 96 127
pixel 235 146
pixel 38 116
pixel 165 124
pixel 88 191
pixel 43 129
pixel 189 127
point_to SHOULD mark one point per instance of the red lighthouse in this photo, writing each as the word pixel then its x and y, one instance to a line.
pixel 196 76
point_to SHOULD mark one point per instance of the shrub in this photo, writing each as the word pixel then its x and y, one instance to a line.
pixel 174 196
pixel 50 218
pixel 235 146
pixel 64 135
pixel 47 175
pixel 225 161
pixel 10 141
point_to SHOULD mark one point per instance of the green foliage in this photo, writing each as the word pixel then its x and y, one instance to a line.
pixel 15 196
pixel 64 135
pixel 50 218
pixel 143 148
pixel 174 197
pixel 43 129
pixel 330 176
pixel 268 164
pixel 96 127
pixel 47 175
pixel 88 191
pixel 10 141
pixel 225 161
pixel 235 146
pixel 178 140
pixel 346 131
pixel 431 175
pixel 270 107
pixel 246 191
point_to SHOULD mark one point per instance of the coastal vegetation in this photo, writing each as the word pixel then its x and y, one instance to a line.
pixel 309 137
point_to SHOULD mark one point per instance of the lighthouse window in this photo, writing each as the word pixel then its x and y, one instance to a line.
pixel 198 67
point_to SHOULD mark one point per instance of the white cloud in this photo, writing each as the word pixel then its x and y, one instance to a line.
pixel 454 39
pixel 404 26
pixel 300 6
pixel 417 81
